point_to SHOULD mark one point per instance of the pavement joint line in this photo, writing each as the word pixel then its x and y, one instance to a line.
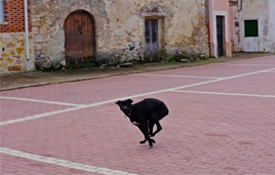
pixel 39 116
pixel 221 93
pixel 62 162
pixel 133 96
pixel 272 70
pixel 177 76
pixel 41 101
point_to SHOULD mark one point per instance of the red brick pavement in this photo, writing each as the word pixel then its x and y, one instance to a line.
pixel 203 133
pixel 13 165
pixel 261 84
pixel 91 91
pixel 24 109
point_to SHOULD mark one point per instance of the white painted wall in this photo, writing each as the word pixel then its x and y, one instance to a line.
pixel 251 44
pixel 264 12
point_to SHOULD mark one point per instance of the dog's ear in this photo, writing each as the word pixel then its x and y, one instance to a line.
pixel 118 102
pixel 130 101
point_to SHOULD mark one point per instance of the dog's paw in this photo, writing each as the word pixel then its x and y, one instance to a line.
pixel 152 140
pixel 143 141
pixel 151 144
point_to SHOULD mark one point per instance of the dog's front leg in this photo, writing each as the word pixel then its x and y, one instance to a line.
pixel 141 129
pixel 144 130
pixel 143 141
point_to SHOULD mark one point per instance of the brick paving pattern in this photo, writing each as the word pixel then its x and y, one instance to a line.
pixel 221 121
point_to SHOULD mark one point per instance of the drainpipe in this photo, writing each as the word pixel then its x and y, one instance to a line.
pixel 213 29
pixel 26 29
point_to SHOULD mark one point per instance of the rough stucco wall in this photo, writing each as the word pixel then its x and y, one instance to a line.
pixel 253 9
pixel 184 30
pixel 237 42
pixel 123 28
pixel 272 25
pixel 187 30
pixel 119 24
pixel 231 25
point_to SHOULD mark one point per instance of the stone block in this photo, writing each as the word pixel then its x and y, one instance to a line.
pixel 126 65
pixel 20 50
pixel 15 68
pixel 5 54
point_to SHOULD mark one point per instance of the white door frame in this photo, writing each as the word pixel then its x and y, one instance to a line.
pixel 215 41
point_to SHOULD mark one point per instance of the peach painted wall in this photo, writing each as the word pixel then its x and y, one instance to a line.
pixel 221 8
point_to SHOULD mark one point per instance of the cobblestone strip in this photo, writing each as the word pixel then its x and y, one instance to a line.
pixel 63 163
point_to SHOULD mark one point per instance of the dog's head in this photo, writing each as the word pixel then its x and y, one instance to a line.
pixel 125 106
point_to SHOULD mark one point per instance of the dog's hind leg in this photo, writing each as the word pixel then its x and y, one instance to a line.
pixel 143 141
pixel 159 128
pixel 159 114
pixel 151 127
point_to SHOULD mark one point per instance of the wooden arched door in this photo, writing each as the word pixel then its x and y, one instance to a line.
pixel 79 38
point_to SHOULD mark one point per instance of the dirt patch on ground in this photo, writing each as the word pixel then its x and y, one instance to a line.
pixel 17 80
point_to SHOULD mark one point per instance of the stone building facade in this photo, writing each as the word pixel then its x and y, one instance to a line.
pixel 12 37
pixel 114 31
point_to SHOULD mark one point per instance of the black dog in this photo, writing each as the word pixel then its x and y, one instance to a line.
pixel 145 113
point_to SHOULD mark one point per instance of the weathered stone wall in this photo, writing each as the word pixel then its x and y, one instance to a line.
pixel 119 26
pixel 13 57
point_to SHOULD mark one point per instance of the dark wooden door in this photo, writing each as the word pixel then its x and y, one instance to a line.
pixel 151 40
pixel 220 35
pixel 79 37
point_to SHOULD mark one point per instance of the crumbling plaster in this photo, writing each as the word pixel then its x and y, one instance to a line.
pixel 261 10
pixel 272 25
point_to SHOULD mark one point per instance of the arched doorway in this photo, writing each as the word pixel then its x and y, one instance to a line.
pixel 79 39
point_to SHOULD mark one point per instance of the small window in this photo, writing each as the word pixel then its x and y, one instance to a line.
pixel 251 28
